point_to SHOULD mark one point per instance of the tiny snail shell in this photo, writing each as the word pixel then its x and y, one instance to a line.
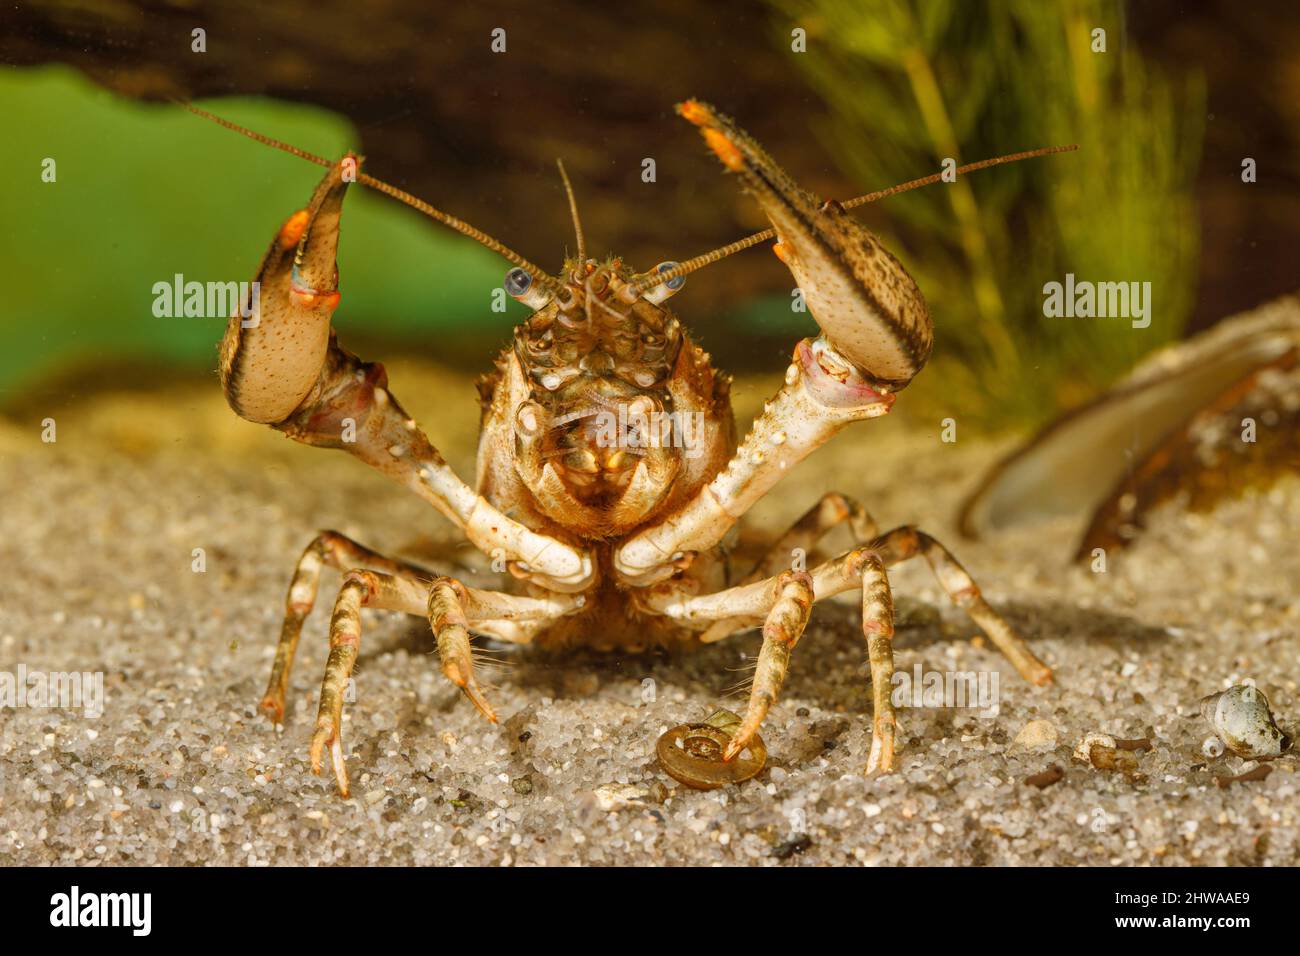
pixel 1241 718
pixel 692 753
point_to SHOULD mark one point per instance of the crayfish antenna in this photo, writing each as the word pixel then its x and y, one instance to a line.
pixel 650 280
pixel 401 195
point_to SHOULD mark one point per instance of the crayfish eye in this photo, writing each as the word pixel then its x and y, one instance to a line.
pixel 665 289
pixel 675 283
pixel 522 285
pixel 518 282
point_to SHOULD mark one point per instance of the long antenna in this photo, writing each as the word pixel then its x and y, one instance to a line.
pixel 573 211
pixel 464 228
pixel 652 279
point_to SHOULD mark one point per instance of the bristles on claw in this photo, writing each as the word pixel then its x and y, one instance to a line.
pixel 484 662
pixel 741 687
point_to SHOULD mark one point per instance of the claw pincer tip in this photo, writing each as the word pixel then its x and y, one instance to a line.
pixel 724 149
pixel 694 111
pixel 293 228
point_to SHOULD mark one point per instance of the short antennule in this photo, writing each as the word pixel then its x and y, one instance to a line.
pixel 401 195
pixel 573 211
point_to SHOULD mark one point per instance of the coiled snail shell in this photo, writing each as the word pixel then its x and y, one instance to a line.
pixel 1241 717
pixel 692 753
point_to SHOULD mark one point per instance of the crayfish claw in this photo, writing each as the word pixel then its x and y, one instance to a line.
pixel 867 305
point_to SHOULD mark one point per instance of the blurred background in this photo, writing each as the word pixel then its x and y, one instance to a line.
pixel 849 96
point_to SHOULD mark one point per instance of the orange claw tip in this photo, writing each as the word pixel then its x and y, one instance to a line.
pixel 693 111
pixel 310 300
pixel 293 229
pixel 725 149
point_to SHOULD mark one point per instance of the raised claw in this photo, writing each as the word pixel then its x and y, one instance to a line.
pixel 271 356
pixel 868 307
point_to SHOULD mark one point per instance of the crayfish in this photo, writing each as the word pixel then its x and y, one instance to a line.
pixel 608 515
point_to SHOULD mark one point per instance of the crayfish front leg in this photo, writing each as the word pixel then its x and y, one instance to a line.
pixel 784 625
pixel 332 549
pixel 452 609
pixel 371 589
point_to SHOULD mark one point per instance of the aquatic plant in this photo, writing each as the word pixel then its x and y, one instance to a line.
pixel 911 83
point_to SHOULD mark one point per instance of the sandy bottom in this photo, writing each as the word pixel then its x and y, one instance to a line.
pixel 99 535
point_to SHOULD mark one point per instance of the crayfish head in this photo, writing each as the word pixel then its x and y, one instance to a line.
pixel 597 442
